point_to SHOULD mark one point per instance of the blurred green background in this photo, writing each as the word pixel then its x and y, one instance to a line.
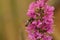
pixel 13 17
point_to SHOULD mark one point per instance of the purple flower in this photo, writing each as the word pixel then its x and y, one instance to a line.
pixel 41 27
pixel 39 35
pixel 47 37
pixel 31 12
pixel 34 22
pixel 50 30
pixel 39 24
pixel 31 36
pixel 40 3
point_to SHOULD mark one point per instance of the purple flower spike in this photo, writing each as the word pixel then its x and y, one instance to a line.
pixel 39 26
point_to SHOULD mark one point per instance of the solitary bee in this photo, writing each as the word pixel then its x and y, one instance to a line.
pixel 29 21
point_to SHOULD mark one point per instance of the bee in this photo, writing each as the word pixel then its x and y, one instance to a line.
pixel 29 21
pixel 26 23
